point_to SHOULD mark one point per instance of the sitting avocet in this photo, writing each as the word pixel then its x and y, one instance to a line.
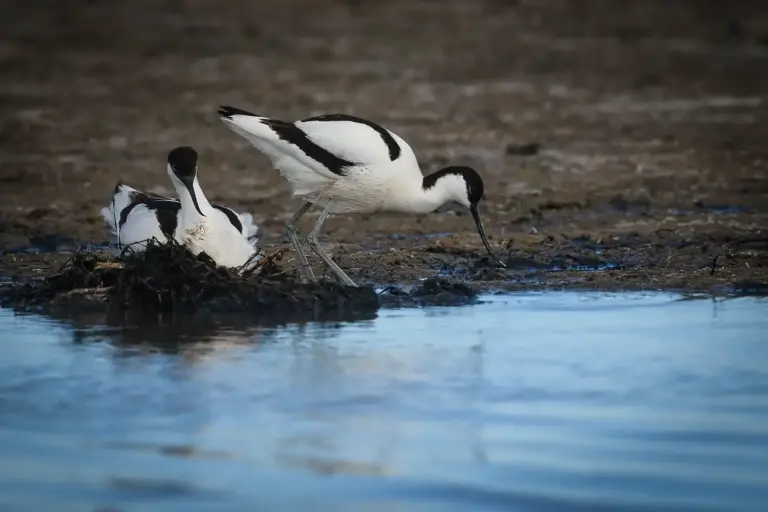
pixel 347 164
pixel 136 217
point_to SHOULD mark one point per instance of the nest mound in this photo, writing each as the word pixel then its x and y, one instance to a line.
pixel 167 277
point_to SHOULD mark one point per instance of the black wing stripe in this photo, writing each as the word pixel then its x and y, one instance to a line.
pixel 231 215
pixel 292 134
pixel 167 213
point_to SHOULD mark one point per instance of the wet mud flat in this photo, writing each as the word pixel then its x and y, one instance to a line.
pixel 715 259
pixel 622 147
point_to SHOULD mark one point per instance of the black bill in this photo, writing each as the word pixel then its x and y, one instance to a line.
pixel 189 182
pixel 473 209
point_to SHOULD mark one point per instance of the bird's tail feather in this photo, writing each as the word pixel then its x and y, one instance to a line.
pixel 121 198
pixel 251 231
pixel 253 127
pixel 228 111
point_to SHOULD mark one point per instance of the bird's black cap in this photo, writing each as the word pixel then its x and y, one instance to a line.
pixel 183 160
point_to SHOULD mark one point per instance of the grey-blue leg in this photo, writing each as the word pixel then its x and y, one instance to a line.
pixel 315 246
pixel 290 226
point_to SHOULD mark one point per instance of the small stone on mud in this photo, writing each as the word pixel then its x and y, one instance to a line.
pixel 435 285
pixel 620 204
pixel 526 149
pixel 490 274
pixel 39 213
pixel 435 291
pixel 12 242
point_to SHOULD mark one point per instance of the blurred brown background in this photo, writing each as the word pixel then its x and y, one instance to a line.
pixel 647 106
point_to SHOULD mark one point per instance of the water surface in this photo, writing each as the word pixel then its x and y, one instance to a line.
pixel 547 401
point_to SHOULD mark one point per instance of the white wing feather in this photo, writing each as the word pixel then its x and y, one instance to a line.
pixel 305 174
pixel 355 142
pixel 251 231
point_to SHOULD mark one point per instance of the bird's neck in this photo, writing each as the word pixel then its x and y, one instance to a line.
pixel 188 206
pixel 432 191
pixel 418 197
pixel 425 200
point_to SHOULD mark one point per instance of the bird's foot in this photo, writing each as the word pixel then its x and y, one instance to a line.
pixel 340 275
pixel 307 276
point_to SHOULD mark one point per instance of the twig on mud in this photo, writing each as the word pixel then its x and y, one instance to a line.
pixel 715 266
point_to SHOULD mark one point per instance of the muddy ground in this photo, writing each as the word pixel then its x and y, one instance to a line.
pixel 623 144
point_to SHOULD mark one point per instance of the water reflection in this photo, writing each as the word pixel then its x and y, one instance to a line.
pixel 193 336
pixel 531 401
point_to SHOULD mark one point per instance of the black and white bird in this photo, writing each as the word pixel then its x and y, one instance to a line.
pixel 135 217
pixel 350 165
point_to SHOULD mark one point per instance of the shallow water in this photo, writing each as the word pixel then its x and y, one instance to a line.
pixel 547 401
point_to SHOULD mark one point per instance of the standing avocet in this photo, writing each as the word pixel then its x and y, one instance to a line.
pixel 135 217
pixel 348 164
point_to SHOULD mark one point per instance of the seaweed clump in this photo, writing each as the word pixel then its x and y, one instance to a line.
pixel 166 277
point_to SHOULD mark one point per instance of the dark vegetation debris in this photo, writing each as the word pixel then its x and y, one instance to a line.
pixel 166 277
